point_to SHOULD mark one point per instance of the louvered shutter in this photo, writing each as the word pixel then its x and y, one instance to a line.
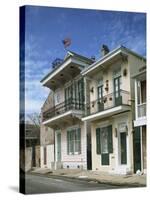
pixel 98 142
pixel 110 140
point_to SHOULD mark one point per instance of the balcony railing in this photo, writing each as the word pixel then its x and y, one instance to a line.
pixel 141 108
pixel 107 102
pixel 69 104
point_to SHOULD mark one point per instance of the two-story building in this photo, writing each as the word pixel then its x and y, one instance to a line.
pixel 140 120
pixel 94 111
pixel 64 117
pixel 110 109
pixel 47 137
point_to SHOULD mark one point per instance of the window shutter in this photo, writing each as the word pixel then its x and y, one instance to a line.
pixel 72 141
pixel 98 142
pixel 110 141
pixel 79 139
pixel 68 136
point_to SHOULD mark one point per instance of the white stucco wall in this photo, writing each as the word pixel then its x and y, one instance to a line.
pixel 49 156
pixel 72 161
pixel 114 158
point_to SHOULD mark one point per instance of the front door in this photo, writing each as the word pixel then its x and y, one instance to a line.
pixel 123 148
pixel 117 94
pixel 137 149
pixel 58 146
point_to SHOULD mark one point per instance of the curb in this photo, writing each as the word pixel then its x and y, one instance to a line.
pixel 91 179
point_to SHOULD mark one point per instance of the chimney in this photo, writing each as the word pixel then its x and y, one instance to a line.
pixel 104 50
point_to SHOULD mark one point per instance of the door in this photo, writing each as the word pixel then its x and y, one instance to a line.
pixel 68 98
pixel 33 157
pixel 45 156
pixel 58 146
pixel 100 98
pixel 117 94
pixel 137 149
pixel 104 146
pixel 123 148
pixel 81 94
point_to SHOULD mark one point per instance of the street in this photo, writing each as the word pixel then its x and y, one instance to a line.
pixel 39 184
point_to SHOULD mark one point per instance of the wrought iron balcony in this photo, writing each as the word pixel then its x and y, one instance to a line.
pixel 107 102
pixel 69 104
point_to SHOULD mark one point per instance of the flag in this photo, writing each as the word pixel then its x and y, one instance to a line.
pixel 66 42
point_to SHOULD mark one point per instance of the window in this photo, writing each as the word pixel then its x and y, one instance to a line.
pixel 80 93
pixel 74 141
pixel 57 97
pixel 100 90
pixel 104 140
pixel 117 82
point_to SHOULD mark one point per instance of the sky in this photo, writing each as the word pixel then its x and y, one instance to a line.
pixel 46 27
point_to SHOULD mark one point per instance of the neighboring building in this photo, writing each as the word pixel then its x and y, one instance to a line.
pixel 64 117
pixel 140 120
pixel 47 137
pixel 30 153
pixel 110 109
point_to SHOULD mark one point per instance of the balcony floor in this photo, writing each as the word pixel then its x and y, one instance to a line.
pixel 107 113
pixel 63 119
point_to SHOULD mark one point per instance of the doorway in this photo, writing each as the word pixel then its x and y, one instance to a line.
pixel 123 148
pixel 58 146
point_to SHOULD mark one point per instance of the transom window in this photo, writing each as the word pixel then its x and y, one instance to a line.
pixel 74 141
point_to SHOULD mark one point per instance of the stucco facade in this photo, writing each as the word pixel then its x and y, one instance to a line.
pixel 118 115
pixel 77 160
pixel 47 138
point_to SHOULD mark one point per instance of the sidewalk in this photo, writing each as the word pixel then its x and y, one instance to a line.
pixel 96 176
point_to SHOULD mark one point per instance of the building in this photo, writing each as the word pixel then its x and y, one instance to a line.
pixel 110 109
pixel 64 117
pixel 47 137
pixel 140 120
pixel 94 111
pixel 30 150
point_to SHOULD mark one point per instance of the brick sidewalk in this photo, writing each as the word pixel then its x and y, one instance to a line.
pixel 101 177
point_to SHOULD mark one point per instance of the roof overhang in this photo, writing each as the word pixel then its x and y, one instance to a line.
pixel 68 70
pixel 140 75
pixel 108 59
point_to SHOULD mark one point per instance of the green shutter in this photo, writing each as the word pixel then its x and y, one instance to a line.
pixel 110 140
pixel 98 142
pixel 79 139
pixel 68 136
pixel 72 138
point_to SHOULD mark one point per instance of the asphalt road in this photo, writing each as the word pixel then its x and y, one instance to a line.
pixel 40 184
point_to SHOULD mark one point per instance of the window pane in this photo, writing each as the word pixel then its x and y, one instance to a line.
pixel 104 140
